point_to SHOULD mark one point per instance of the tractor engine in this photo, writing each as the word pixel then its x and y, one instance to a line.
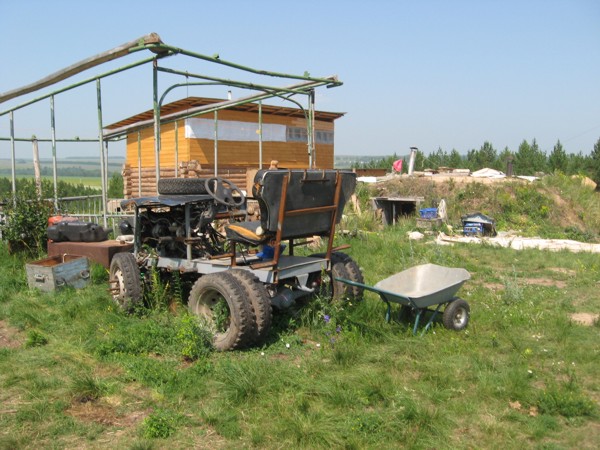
pixel 163 230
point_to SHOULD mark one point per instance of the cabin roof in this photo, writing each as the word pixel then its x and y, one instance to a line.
pixel 192 102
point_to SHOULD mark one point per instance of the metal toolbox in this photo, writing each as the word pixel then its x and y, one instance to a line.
pixel 56 272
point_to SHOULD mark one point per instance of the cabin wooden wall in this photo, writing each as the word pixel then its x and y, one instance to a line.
pixel 291 155
pixel 230 153
pixel 167 149
pixel 234 157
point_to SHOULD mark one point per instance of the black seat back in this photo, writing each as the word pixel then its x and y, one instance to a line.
pixel 306 189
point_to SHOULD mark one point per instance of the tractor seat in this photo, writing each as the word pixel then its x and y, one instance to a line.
pixel 246 232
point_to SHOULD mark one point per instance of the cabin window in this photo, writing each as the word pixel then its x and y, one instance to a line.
pixel 299 134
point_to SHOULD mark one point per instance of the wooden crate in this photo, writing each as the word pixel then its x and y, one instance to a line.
pixel 56 272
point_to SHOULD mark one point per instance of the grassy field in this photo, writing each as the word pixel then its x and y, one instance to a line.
pixel 94 182
pixel 77 373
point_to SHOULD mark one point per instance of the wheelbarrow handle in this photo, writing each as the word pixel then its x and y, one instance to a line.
pixel 385 295
pixel 354 283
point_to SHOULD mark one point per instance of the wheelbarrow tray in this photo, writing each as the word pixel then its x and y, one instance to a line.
pixel 422 286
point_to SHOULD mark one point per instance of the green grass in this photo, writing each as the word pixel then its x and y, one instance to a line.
pixel 79 373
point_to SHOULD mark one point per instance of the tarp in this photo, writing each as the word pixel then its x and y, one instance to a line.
pixel 488 173
pixel 522 243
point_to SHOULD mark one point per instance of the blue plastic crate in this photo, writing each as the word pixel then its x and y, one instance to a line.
pixel 428 213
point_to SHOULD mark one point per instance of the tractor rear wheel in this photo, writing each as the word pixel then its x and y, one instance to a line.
pixel 260 301
pixel 350 271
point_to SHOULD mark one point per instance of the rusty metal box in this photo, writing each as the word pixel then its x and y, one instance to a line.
pixel 56 272
pixel 100 252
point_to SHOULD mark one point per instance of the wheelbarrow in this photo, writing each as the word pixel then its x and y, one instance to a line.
pixel 420 288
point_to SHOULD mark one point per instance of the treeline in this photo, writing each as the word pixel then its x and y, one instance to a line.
pixel 529 159
pixel 26 189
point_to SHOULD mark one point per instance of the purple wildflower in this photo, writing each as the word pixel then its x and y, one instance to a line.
pixel 326 318
pixel 338 329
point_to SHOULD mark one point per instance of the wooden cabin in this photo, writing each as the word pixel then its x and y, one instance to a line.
pixel 188 145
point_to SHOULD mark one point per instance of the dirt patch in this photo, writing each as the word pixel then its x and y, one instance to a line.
pixel 546 282
pixel 563 213
pixel 9 336
pixel 586 319
pixel 105 414
pixel 494 286
pixel 569 272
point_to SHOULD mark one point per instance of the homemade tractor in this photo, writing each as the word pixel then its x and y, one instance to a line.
pixel 243 269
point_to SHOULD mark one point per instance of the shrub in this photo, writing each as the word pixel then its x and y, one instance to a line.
pixel 160 424
pixel 26 224
pixel 35 339
pixel 194 341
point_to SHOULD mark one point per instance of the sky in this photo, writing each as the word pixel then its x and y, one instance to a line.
pixel 430 74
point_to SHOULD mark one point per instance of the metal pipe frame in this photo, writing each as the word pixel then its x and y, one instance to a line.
pixel 54 166
pixel 153 43
pixel 102 155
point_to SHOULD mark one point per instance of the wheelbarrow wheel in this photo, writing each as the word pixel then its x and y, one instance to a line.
pixel 456 315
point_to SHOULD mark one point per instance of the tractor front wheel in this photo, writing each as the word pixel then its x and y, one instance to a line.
pixel 219 300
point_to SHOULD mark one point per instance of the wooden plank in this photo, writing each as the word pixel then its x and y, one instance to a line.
pixel 88 63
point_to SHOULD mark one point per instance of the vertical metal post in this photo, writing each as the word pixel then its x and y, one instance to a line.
pixel 311 130
pixel 176 150
pixel 101 142
pixel 188 230
pixel 106 166
pixel 216 141
pixel 12 155
pixel 54 167
pixel 156 120
pixel 139 137
pixel 36 168
pixel 260 136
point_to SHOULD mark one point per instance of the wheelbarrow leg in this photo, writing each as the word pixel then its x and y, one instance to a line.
pixel 388 313
pixel 431 319
pixel 417 318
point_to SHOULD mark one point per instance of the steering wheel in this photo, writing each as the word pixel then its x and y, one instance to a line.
pixel 222 191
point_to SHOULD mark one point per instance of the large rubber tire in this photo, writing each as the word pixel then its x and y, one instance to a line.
pixel 125 281
pixel 456 315
pixel 182 186
pixel 260 301
pixel 353 273
pixel 327 287
pixel 222 291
